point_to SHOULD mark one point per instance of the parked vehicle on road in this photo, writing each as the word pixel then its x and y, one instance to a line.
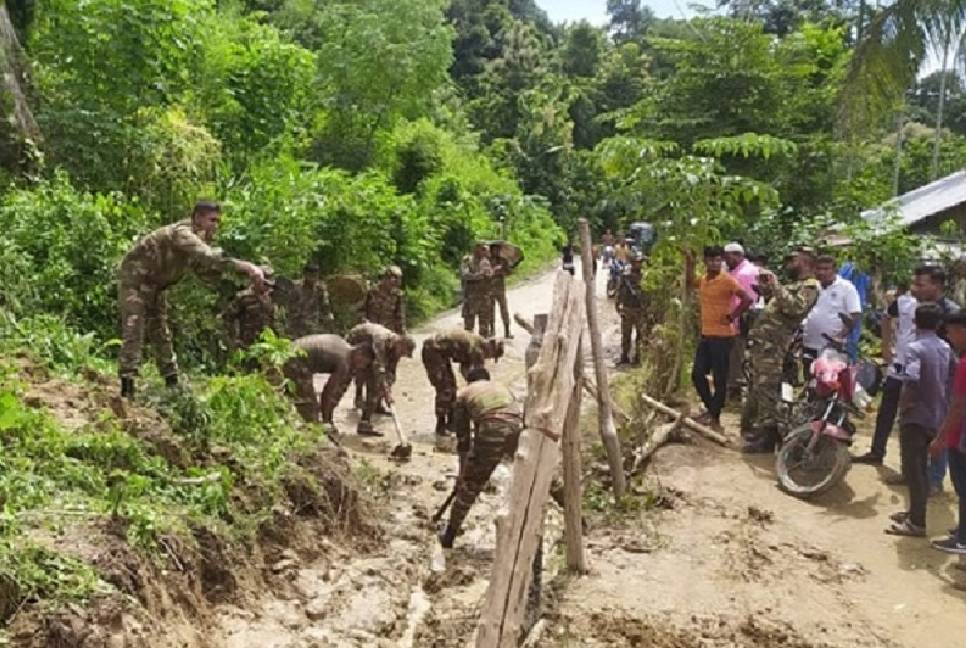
pixel 814 456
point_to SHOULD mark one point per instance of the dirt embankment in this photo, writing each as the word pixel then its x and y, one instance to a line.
pixel 169 596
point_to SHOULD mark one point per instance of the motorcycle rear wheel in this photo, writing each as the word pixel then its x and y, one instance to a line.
pixel 806 474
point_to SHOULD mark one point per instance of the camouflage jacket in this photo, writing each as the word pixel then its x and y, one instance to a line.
pixel 246 316
pixel 164 256
pixel 501 268
pixel 382 341
pixel 386 306
pixel 630 295
pixel 482 401
pixel 774 328
pixel 309 311
pixel 476 275
pixel 458 345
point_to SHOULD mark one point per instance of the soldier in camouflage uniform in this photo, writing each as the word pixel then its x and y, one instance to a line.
pixel 387 348
pixel 324 354
pixel 496 419
pixel 156 262
pixel 385 302
pixel 768 341
pixel 309 311
pixel 630 306
pixel 251 311
pixel 442 349
pixel 476 273
pixel 501 268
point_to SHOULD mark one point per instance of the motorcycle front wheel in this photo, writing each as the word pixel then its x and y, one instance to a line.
pixel 806 473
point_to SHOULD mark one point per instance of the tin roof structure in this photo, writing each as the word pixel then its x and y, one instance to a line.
pixel 926 201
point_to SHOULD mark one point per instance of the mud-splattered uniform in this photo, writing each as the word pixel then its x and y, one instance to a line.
pixel 491 409
pixel 381 375
pixel 323 354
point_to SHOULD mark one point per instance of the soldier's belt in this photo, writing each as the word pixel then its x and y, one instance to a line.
pixel 502 417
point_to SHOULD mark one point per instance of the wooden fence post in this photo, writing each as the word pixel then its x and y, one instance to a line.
pixel 605 417
pixel 573 516
pixel 551 384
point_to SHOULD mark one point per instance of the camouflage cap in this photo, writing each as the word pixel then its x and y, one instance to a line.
pixel 392 271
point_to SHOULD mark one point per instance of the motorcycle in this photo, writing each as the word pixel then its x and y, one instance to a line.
pixel 607 255
pixel 614 272
pixel 814 456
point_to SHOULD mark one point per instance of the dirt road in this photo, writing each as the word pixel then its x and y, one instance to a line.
pixel 393 597
pixel 724 559
pixel 735 562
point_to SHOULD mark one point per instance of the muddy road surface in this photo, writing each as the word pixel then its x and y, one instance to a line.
pixel 709 554
pixel 407 593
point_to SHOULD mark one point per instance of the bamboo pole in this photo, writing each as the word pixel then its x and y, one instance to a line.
pixel 605 417
pixel 573 516
pixel 551 384
pixel 690 423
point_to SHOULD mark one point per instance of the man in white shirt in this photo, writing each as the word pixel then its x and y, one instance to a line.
pixel 836 311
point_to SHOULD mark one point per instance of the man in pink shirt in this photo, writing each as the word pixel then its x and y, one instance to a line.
pixel 746 274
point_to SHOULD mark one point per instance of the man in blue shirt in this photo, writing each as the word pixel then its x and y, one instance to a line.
pixel 925 396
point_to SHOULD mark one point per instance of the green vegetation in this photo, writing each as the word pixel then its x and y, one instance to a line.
pixel 366 132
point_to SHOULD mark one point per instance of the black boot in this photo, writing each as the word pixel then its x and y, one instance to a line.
pixel 171 381
pixel 446 537
pixel 441 425
pixel 127 388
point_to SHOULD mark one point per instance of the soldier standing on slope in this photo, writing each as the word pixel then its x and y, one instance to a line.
pixel 156 262
pixel 630 307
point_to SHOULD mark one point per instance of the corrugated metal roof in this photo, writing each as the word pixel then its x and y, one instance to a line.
pixel 926 201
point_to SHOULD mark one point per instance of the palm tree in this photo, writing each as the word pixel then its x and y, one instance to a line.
pixel 888 56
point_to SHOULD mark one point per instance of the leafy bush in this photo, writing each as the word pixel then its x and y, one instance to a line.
pixel 69 243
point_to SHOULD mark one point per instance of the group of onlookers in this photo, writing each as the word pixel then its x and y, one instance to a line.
pixel 924 348
pixel 749 320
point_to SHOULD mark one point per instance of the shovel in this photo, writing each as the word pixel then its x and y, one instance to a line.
pixel 403 450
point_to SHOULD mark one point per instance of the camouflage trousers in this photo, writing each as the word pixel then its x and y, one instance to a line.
pixel 499 299
pixel 632 324
pixel 309 404
pixel 760 415
pixel 144 314
pixel 439 370
pixel 478 307
pixel 494 439
pixel 369 388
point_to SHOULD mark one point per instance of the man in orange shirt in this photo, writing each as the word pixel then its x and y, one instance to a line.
pixel 716 290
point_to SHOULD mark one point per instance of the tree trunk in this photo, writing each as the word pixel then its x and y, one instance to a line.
pixel 605 418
